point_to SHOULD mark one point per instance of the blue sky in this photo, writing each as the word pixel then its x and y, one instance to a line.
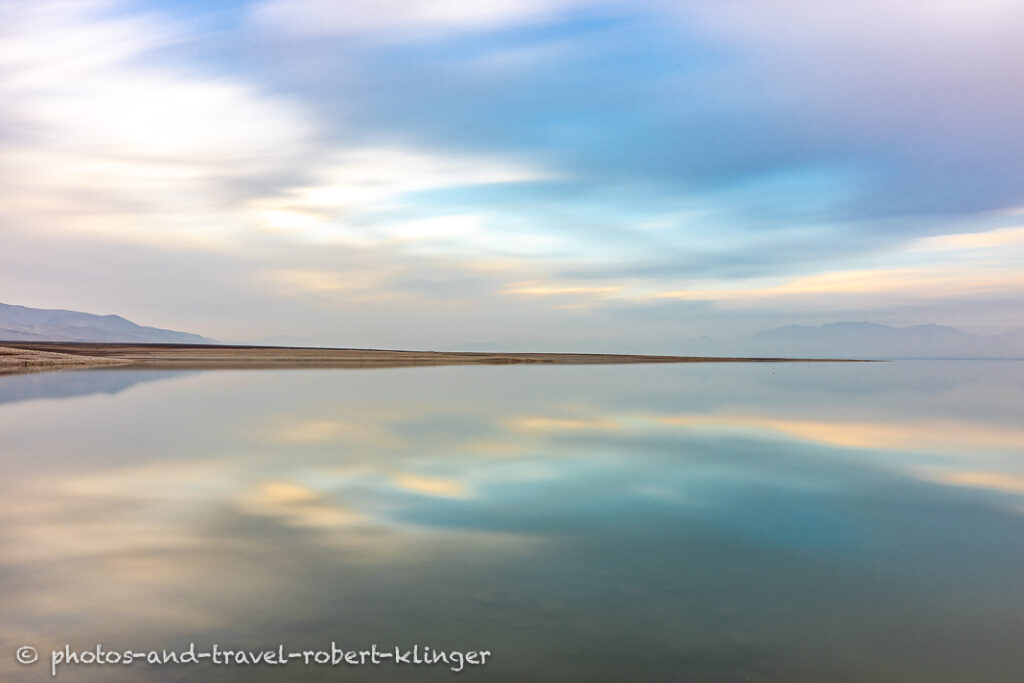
pixel 593 174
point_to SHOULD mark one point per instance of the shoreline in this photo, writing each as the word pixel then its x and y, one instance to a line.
pixel 16 357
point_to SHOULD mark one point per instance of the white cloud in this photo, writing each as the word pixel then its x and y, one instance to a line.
pixel 49 43
pixel 107 142
pixel 361 177
pixel 110 144
pixel 999 238
pixel 349 184
pixel 402 19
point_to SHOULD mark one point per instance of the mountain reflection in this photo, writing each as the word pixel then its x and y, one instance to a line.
pixel 16 388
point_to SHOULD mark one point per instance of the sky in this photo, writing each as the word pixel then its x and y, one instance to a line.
pixel 595 174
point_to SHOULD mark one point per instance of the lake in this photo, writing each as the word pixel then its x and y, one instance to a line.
pixel 721 522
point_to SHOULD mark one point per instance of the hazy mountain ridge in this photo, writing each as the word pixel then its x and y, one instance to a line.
pixel 867 340
pixel 832 340
pixel 20 323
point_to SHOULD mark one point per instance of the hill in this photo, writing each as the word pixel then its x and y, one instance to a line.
pixel 22 324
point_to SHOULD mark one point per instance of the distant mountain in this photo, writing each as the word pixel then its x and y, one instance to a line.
pixel 18 323
pixel 834 340
pixel 866 340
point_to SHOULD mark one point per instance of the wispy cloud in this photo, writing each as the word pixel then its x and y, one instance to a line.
pixel 391 20
pixel 512 165
pixel 924 282
pixel 990 239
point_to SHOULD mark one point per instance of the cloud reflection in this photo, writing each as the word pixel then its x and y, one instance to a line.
pixel 666 495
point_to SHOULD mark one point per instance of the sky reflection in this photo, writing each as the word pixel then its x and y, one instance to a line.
pixel 722 520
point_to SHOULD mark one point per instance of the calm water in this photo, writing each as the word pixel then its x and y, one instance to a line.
pixel 815 522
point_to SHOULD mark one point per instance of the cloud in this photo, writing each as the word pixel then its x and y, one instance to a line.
pixel 990 239
pixel 628 160
pixel 919 92
pixel 145 149
pixel 872 111
pixel 128 158
pixel 532 288
pixel 392 20
pixel 923 282
pixel 357 195
pixel 110 141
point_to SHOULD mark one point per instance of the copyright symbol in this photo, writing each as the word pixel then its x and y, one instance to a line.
pixel 26 654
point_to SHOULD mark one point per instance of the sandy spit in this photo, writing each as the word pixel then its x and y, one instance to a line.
pixel 36 356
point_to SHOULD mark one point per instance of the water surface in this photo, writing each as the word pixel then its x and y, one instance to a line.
pixel 747 522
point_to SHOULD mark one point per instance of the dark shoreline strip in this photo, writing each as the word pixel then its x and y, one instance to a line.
pixel 35 356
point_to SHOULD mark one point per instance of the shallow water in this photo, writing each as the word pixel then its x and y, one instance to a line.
pixel 747 522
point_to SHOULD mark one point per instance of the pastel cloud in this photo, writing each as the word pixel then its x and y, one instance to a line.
pixel 990 239
pixel 394 19
pixel 503 165
pixel 119 144
pixel 926 282
pixel 351 184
